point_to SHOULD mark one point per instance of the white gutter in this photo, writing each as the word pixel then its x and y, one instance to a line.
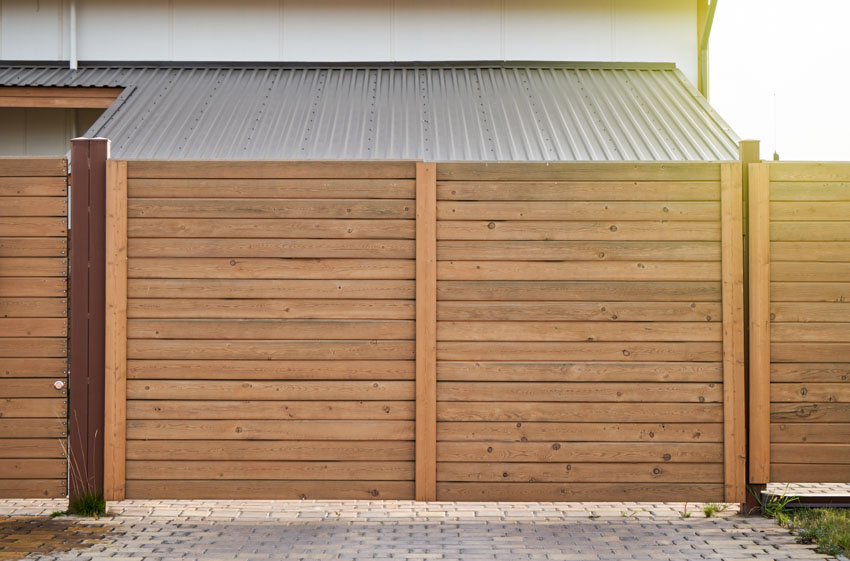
pixel 72 56
pixel 703 47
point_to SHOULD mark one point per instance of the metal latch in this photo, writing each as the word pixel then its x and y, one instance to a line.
pixel 59 384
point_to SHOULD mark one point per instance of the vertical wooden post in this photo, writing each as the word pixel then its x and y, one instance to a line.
pixel 426 331
pixel 116 331
pixel 759 323
pixel 85 392
pixel 734 366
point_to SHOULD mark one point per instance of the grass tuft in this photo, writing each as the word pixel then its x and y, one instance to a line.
pixel 88 504
pixel 711 509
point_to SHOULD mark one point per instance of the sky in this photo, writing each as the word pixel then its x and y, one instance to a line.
pixel 780 73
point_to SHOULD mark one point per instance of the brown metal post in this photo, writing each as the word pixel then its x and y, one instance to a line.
pixel 87 288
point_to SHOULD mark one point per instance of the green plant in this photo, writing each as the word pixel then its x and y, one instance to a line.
pixel 593 516
pixel 685 513
pixel 829 528
pixel 773 505
pixel 56 513
pixel 88 504
pixel 711 509
pixel 83 500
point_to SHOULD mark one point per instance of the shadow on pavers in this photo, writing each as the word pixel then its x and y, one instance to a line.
pixel 23 535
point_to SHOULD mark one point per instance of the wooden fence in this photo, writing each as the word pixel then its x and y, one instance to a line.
pixel 33 327
pixel 800 323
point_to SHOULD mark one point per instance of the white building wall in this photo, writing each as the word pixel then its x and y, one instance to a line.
pixel 42 132
pixel 354 30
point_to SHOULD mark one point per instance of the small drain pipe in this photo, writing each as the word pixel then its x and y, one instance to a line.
pixel 72 23
pixel 703 48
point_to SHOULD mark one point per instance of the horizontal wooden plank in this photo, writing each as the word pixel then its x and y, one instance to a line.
pixel 30 468
pixel 273 329
pixel 248 470
pixel 810 210
pixel 25 408
pixel 797 412
pixel 239 188
pixel 809 352
pixel 542 230
pixel 577 331
pixel 810 251
pixel 263 268
pixel 574 210
pixel 33 186
pixel 810 171
pixel 32 428
pixel 269 430
pixel 269 490
pixel 608 452
pixel 810 191
pixel 579 391
pixel 255 288
pixel 33 247
pixel 223 450
pixel 809 473
pixel 32 448
pixel 386 229
pixel 33 286
pixel 591 371
pixel 33 226
pixel 265 169
pixel 33 347
pixel 33 368
pixel 577 251
pixel 810 372
pixel 271 369
pixel 810 291
pixel 521 492
pixel 810 311
pixel 33 166
pixel 270 391
pixel 578 190
pixel 34 206
pixel 220 308
pixel 183 408
pixel 561 472
pixel 811 433
pixel 33 307
pixel 578 171
pixel 798 332
pixel 269 208
pixel 589 271
pixel 179 247
pixel 797 271
pixel 810 453
pixel 30 387
pixel 810 231
pixel 579 311
pixel 694 291
pixel 570 351
pixel 810 392
pixel 33 266
pixel 581 412
pixel 193 349
pixel 29 488
pixel 578 432
pixel 33 327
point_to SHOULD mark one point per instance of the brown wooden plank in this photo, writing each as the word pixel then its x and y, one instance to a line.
pixel 33 267
pixel 267 308
pixel 819 413
pixel 796 332
pixel 30 448
pixel 580 311
pixel 578 432
pixel 268 490
pixel 33 307
pixel 270 391
pixel 265 268
pixel 810 231
pixel 30 387
pixel 810 453
pixel 33 226
pixel 543 230
pixel 577 331
pixel 810 291
pixel 809 473
pixel 809 272
pixel 34 206
pixel 574 210
pixel 810 392
pixel 521 492
pixel 242 188
pixel 269 208
pixel 33 186
pixel 810 251
pixel 252 470
pixel 810 171
pixel 276 329
pixel 811 433
pixel 809 352
pixel 581 412
pixel 33 247
pixel 30 468
pixel 804 312
pixel 270 228
pixel 578 251
pixel 269 410
pixel 269 430
pixel 578 190
pixel 176 247
pixel 34 347
pixel 578 171
pixel 33 327
pixel 271 369
pixel 28 488
pixel 23 408
pixel 270 450
pixel 266 350
pixel 33 286
pixel 570 351
pixel 266 169
pixel 809 191
pixel 810 372
pixel 33 367
pixel 254 288
pixel 695 291
pixel 33 166
pixel 609 452
pixel 584 271
pixel 552 472
pixel 579 391
pixel 32 428
pixel 580 371
pixel 810 211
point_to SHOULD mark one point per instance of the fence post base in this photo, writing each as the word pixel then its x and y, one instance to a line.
pixel 752 505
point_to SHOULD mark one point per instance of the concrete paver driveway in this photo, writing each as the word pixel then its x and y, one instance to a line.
pixel 384 530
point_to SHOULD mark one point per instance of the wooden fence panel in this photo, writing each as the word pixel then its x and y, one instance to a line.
pixel 33 327
pixel 580 337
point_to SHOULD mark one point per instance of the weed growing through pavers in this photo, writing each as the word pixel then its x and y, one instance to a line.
pixel 711 509
pixel 829 528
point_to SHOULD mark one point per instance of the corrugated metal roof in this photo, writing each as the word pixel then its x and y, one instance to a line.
pixel 545 112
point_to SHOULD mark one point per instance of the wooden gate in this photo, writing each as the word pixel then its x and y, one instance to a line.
pixel 577 328
pixel 33 327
